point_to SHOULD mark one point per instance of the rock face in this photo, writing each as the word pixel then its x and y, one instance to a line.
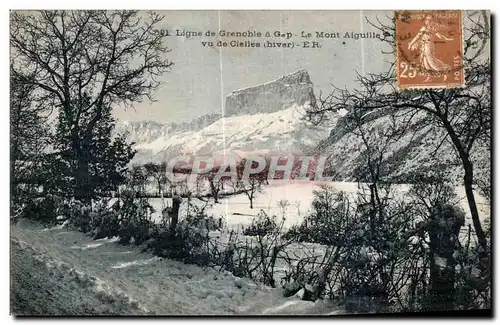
pixel 264 119
pixel 272 96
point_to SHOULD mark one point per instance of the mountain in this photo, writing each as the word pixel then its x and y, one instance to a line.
pixel 269 119
pixel 148 131
pixel 419 151
pixel 295 88
pixel 263 119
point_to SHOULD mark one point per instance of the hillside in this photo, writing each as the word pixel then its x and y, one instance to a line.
pixel 421 150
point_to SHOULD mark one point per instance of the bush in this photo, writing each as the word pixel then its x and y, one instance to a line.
pixel 385 250
pixel 351 270
pixel 189 241
pixel 330 219
pixel 136 222
pixel 79 216
pixel 262 225
pixel 43 209
pixel 105 222
pixel 256 256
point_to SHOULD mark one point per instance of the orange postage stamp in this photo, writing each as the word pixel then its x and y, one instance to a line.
pixel 429 49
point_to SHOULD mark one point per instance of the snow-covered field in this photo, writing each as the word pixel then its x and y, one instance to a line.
pixel 299 194
pixel 56 271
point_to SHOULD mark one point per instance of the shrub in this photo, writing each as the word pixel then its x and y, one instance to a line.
pixel 43 209
pixel 189 241
pixel 256 256
pixel 330 219
pixel 105 222
pixel 136 222
pixel 262 225
pixel 79 215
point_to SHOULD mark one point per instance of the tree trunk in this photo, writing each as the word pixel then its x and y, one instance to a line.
pixel 83 191
pixel 14 157
pixel 214 190
pixel 13 178
pixel 469 192
pixel 176 202
pixel 468 184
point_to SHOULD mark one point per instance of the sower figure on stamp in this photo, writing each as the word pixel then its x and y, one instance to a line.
pixel 429 49
pixel 423 42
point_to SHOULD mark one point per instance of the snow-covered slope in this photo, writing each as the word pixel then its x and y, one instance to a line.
pixel 267 118
pixel 280 132
pixel 421 150
pixel 147 131
pixel 61 272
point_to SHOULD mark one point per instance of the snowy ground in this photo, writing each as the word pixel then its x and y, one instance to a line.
pixel 236 212
pixel 299 194
pixel 56 271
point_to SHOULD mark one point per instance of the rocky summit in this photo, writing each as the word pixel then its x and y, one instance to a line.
pixel 273 96
pixel 267 119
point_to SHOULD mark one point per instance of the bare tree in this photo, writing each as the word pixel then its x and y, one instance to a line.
pixel 250 187
pixel 158 172
pixel 463 114
pixel 216 185
pixel 85 62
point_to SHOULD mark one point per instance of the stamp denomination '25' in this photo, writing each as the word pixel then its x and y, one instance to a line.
pixel 429 49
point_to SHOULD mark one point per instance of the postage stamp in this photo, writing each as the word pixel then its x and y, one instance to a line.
pixel 429 49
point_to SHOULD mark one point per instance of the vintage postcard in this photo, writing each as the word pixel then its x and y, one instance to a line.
pixel 255 162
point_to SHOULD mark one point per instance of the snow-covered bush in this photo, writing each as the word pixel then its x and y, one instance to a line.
pixel 136 223
pixel 105 221
pixel 255 255
pixel 43 209
pixel 79 215
pixel 262 225
pixel 189 241
pixel 198 218
pixel 191 245
pixel 361 249
pixel 97 222
pixel 329 221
